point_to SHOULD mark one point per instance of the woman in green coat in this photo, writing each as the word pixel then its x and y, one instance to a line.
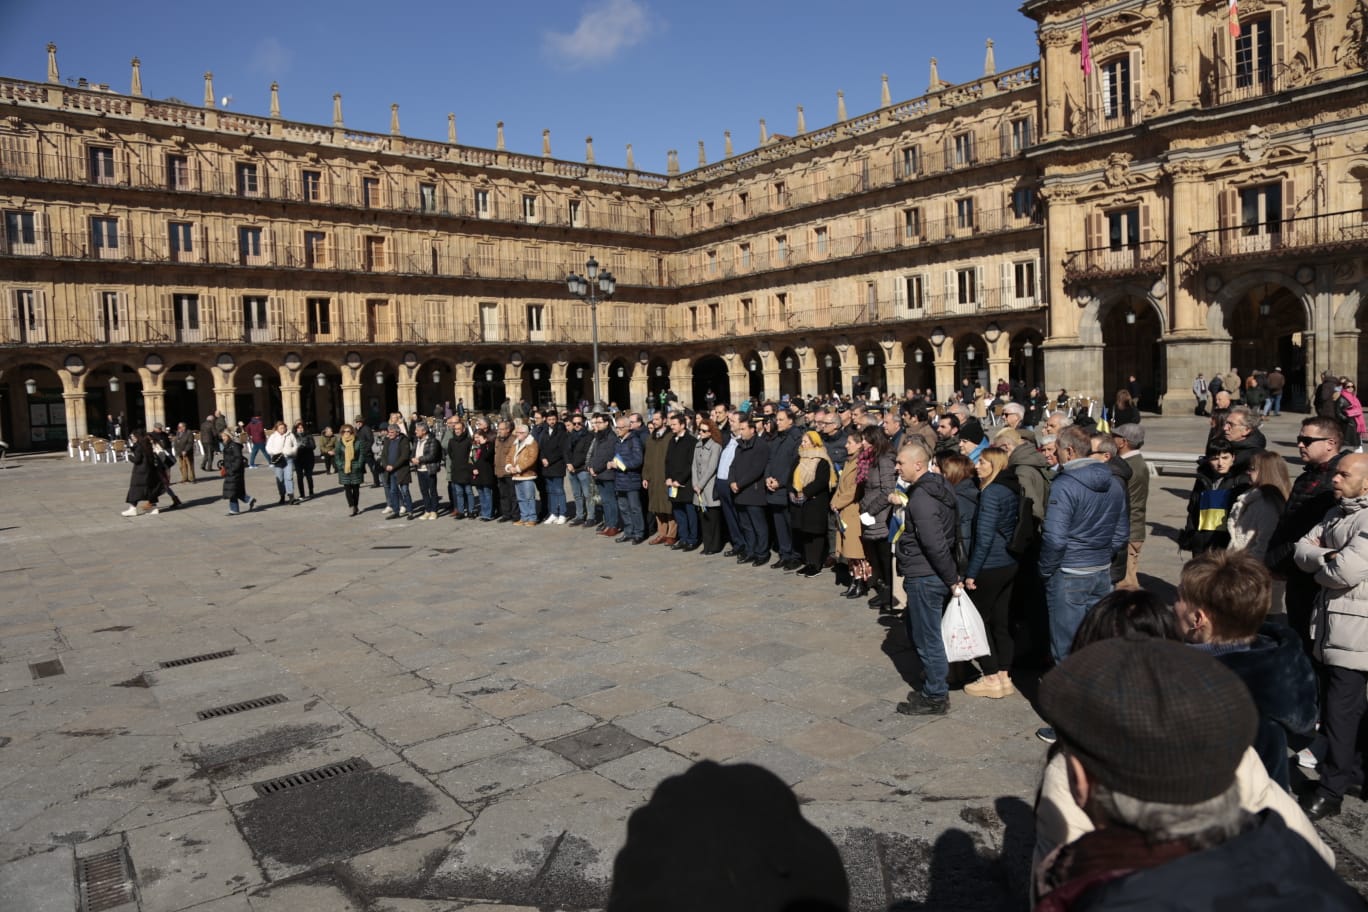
pixel 350 460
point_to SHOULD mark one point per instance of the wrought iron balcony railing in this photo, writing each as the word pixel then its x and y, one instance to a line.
pixel 1140 258
pixel 1328 233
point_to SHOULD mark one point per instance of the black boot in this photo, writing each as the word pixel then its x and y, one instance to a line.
pixel 858 589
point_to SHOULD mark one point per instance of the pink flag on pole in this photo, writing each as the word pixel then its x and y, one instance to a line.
pixel 1234 20
pixel 1085 53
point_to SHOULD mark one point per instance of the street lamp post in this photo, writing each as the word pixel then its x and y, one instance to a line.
pixel 584 288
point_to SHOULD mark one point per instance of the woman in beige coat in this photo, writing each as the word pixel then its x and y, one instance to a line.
pixel 845 503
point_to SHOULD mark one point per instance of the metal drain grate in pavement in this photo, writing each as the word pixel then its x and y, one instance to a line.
pixel 191 660
pixel 245 705
pixel 104 880
pixel 308 777
pixel 48 669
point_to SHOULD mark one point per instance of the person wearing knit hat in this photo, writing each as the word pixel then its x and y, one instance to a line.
pixel 1153 732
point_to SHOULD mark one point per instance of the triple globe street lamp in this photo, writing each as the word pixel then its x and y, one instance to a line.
pixel 585 288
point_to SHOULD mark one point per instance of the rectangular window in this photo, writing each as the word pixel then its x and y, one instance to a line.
pixel 744 251
pixel 964 212
pixel 113 321
pixel 1261 209
pixel 820 240
pixel 27 322
pixel 370 192
pixel 747 309
pixel 187 311
pixel 617 216
pixel 482 204
pixel 489 321
pixel 101 165
pixel 249 246
pixel 916 292
pixel 912 224
pixel 318 316
pixel 1024 203
pixel 529 208
pixel 104 237
pixel 532 262
pixel 21 232
pixel 488 262
pixel 693 319
pixel 743 203
pixel 780 195
pixel 313 186
pixel 1023 134
pixel 1115 82
pixel 536 331
pixel 182 242
pixel 375 254
pixel 712 262
pixel 177 172
pixel 781 249
pixel 1024 280
pixel 964 149
pixel 714 317
pixel 711 213
pixel 1254 54
pixel 427 197
pixel 315 249
pixel 909 162
pixel 576 206
pixel 821 304
pixel 247 182
pixel 1123 228
pixel 255 318
pixel 966 287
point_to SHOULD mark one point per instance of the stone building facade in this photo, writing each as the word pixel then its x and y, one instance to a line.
pixel 1196 201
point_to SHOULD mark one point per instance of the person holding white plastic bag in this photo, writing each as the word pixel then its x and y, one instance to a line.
pixel 992 570
pixel 927 565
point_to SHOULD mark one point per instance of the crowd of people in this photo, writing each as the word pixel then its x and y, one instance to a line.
pixel 1039 520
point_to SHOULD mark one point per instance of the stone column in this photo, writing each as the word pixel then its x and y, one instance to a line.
pixel 154 397
pixel 559 374
pixel 738 380
pixel 640 388
pixel 512 385
pixel 351 399
pixel 807 377
pixel 1053 65
pixel 74 402
pixel 999 357
pixel 1183 358
pixel 407 384
pixel 1077 367
pixel 771 370
pixel 464 384
pixel 681 380
pixel 895 369
pixel 1184 51
pixel 945 371
pixel 290 407
pixel 849 367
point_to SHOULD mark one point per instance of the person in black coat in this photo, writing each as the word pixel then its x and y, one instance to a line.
pixel 482 471
pixel 304 460
pixel 456 451
pixel 145 484
pixel 810 502
pixel 234 473
pixel 747 484
pixel 679 453
pixel 783 458
pixel 552 446
pixel 577 469
pixel 366 438
pixel 395 454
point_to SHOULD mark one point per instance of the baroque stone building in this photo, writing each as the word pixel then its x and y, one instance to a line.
pixel 1195 201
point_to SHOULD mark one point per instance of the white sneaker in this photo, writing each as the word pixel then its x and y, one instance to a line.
pixel 1306 760
pixel 560 520
pixel 386 512
pixel 403 511
pixel 152 512
pixel 131 511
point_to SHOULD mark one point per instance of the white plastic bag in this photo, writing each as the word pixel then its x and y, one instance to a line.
pixel 962 629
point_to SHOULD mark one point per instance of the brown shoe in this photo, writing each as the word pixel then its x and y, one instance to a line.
pixel 657 540
pixel 611 531
pixel 668 541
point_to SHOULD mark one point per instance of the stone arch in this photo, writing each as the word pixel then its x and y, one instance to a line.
pixel 487 379
pixel 753 363
pixel 103 400
pixel 379 390
pixel 657 378
pixel 620 382
pixel 1097 309
pixel 790 372
pixel 710 373
pixel 321 404
pixel 37 420
pixel 1233 292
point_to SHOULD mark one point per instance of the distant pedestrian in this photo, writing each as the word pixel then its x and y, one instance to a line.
pixel 234 472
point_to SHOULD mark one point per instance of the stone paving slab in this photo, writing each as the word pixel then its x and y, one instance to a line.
pixel 514 693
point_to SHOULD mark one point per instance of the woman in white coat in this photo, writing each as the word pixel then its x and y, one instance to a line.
pixel 281 447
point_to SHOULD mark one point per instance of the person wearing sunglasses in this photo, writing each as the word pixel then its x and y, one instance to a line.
pixel 1319 445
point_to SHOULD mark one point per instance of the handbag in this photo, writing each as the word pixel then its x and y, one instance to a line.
pixel 278 460
pixel 962 630
pixel 223 471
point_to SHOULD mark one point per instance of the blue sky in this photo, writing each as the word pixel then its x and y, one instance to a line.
pixel 655 74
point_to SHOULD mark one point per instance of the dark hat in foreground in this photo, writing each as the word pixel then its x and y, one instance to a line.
pixel 1152 719
pixel 726 839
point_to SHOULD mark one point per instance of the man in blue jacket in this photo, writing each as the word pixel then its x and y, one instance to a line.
pixel 1086 524
pixel 627 458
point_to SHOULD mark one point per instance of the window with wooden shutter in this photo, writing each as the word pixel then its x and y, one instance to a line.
pixel 208 318
pixel 275 318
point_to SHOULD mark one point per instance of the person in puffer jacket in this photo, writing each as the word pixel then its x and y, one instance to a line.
pixel 1086 524
pixel 1336 552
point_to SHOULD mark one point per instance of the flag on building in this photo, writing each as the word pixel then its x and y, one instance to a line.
pixel 1085 53
pixel 1234 20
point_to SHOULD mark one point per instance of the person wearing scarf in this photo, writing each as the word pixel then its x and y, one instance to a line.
pixel 810 501
pixel 349 458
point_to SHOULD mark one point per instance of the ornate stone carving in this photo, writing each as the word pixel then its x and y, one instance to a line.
pixel 1185 170
pixel 1117 172
pixel 1058 38
pixel 1352 51
pixel 1255 144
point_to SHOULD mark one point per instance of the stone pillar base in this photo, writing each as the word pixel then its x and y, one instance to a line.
pixel 1185 358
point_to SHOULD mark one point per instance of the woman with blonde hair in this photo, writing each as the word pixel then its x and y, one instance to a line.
pixel 845 503
pixel 810 500
pixel 992 569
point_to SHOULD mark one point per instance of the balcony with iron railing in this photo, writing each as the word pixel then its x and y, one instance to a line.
pixel 329 190
pixel 1121 261
pixel 327 257
pixel 1332 232
pixel 982 222
pixel 1243 83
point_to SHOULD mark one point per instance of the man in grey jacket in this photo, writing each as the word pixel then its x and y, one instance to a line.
pixel 1086 524
pixel 1335 551
pixel 927 566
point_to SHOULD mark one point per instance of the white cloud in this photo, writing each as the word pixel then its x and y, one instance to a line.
pixel 605 28
pixel 270 58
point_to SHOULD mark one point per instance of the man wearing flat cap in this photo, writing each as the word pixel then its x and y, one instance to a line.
pixel 1152 733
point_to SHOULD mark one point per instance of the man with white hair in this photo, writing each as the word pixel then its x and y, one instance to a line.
pixel 1013 413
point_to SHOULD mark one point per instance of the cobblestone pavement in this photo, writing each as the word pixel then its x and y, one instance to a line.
pixel 477 708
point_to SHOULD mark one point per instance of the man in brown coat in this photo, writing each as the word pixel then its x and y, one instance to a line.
pixel 504 445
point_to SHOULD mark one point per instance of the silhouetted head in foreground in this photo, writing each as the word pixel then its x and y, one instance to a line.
pixel 726 839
